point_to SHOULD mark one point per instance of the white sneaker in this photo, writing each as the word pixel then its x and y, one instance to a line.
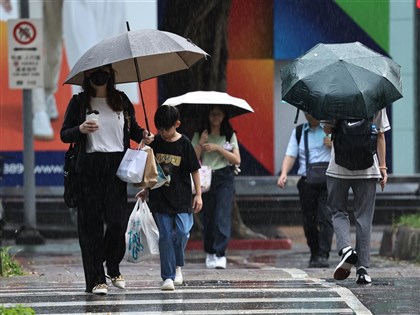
pixel 221 262
pixel 51 106
pixel 168 285
pixel 118 282
pixel 100 289
pixel 178 276
pixel 211 261
pixel 42 126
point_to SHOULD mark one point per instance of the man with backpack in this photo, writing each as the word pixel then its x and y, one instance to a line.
pixel 310 145
pixel 357 161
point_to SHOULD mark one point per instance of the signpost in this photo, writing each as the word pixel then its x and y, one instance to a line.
pixel 25 53
pixel 26 72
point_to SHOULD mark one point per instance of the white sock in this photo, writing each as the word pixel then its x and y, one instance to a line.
pixel 345 249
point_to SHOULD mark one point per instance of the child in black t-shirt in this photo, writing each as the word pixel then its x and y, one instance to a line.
pixel 171 204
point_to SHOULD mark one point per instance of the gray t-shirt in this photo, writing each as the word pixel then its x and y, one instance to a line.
pixel 382 124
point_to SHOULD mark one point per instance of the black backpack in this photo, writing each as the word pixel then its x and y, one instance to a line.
pixel 355 143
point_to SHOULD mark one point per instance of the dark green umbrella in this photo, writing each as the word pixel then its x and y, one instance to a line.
pixel 335 81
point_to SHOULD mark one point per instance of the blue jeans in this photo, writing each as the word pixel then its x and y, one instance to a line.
pixel 217 212
pixel 174 231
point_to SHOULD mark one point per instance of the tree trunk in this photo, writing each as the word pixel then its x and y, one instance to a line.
pixel 206 24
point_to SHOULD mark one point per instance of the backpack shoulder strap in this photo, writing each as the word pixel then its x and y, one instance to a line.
pixel 299 133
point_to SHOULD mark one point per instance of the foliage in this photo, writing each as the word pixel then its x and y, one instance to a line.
pixel 409 220
pixel 9 266
pixel 16 310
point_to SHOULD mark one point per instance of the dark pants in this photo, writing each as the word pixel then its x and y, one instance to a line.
pixel 217 212
pixel 317 223
pixel 102 217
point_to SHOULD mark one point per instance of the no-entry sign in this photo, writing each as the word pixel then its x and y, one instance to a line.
pixel 25 53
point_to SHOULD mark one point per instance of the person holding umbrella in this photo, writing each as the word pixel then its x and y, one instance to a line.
pixel 309 143
pixel 216 146
pixel 363 184
pixel 101 141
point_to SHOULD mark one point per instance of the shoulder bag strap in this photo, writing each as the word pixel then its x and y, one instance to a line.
pixel 306 147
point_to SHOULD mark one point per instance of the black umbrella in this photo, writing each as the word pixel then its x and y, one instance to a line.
pixel 335 81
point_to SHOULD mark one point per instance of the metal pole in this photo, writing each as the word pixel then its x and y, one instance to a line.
pixel 28 234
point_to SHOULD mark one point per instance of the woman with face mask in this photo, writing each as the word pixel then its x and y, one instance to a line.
pixel 101 121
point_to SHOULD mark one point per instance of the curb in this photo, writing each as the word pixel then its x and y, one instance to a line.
pixel 401 243
pixel 253 244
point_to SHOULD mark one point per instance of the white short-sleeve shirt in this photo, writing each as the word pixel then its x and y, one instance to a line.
pixel 382 124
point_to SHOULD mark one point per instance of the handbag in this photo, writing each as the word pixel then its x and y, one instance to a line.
pixel 315 172
pixel 70 180
pixel 154 176
pixel 142 234
pixel 205 179
pixel 131 169
pixel 150 176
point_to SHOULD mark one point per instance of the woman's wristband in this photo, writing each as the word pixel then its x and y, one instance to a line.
pixel 383 167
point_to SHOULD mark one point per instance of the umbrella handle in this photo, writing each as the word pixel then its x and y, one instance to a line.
pixel 144 107
pixel 297 116
pixel 138 80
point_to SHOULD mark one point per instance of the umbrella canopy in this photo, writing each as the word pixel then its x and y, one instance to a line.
pixel 234 106
pixel 157 53
pixel 336 81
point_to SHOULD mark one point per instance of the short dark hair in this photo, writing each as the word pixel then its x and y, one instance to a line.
pixel 166 117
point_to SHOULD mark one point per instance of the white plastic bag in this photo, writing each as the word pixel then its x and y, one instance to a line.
pixel 131 169
pixel 205 179
pixel 142 235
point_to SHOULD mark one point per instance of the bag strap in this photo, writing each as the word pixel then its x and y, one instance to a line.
pixel 299 133
pixel 306 147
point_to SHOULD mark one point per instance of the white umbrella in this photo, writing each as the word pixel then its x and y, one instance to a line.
pixel 235 106
pixel 139 55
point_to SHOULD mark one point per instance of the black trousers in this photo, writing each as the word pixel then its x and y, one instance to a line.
pixel 102 217
pixel 317 222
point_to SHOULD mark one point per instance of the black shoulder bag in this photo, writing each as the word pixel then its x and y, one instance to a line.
pixel 70 180
pixel 315 172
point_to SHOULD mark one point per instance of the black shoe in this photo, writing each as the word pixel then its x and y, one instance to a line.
pixel 313 261
pixel 323 262
pixel 362 276
pixel 318 262
pixel 348 259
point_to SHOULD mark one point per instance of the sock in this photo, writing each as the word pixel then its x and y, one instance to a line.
pixel 343 250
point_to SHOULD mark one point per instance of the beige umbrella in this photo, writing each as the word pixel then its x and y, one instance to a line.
pixel 139 55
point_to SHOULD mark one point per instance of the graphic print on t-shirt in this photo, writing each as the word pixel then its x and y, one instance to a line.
pixel 168 162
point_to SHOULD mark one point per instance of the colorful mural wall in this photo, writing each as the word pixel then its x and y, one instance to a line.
pixel 263 35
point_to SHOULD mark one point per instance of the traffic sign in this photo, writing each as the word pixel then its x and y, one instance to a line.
pixel 25 41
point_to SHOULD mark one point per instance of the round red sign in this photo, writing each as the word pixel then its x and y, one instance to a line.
pixel 24 33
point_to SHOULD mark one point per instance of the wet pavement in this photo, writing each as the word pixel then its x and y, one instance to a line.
pixel 255 282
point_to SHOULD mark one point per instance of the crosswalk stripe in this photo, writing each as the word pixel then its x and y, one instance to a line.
pixel 233 312
pixel 156 290
pixel 186 301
